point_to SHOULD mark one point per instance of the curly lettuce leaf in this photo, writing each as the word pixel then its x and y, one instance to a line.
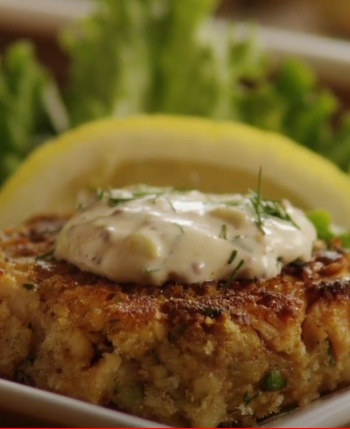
pixel 112 59
pixel 292 104
pixel 154 56
pixel 29 104
pixel 164 56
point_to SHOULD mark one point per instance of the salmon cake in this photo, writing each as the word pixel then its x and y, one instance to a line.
pixel 190 355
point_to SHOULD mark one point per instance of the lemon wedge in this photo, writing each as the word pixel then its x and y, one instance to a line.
pixel 172 151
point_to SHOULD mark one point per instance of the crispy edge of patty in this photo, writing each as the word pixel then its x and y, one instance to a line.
pixel 194 355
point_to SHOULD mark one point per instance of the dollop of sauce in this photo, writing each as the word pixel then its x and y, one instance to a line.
pixel 152 235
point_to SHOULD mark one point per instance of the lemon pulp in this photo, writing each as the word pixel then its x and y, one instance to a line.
pixel 175 151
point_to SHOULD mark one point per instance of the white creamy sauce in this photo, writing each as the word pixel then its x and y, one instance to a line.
pixel 152 235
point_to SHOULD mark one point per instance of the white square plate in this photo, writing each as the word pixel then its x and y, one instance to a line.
pixel 330 412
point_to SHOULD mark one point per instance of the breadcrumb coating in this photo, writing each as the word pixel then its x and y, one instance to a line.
pixel 203 355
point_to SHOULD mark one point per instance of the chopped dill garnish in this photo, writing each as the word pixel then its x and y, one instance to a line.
pixel 297 262
pixel 45 255
pixel 276 209
pixel 232 257
pixel 180 227
pixel 279 261
pixel 256 202
pixel 152 270
pixel 211 312
pixel 175 333
pixel 247 399
pixel 28 286
pixel 266 207
pixel 99 194
pixel 143 190
pixel 113 202
pixel 234 272
pixel 171 205
pixel 233 203
pixel 223 232
pixel 145 193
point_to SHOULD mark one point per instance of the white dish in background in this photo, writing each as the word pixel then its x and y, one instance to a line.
pixel 329 57
pixel 42 15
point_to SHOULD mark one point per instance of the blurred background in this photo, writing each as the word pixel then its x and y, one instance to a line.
pixel 279 65
pixel 323 17
pixel 40 20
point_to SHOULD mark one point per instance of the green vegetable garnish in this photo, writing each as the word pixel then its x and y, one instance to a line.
pixel 322 223
pixel 273 381
pixel 129 396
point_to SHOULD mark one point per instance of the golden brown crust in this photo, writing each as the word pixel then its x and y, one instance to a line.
pixel 194 355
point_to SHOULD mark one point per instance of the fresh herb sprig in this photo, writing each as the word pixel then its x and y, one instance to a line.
pixel 46 255
pixel 232 257
pixel 236 269
pixel 275 208
pixel 256 202
pixel 180 227
pixel 171 205
pixel 223 232
pixel 114 202
pixel 248 399
pixel 268 208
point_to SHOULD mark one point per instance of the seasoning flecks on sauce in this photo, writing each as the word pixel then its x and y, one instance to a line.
pixel 152 235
